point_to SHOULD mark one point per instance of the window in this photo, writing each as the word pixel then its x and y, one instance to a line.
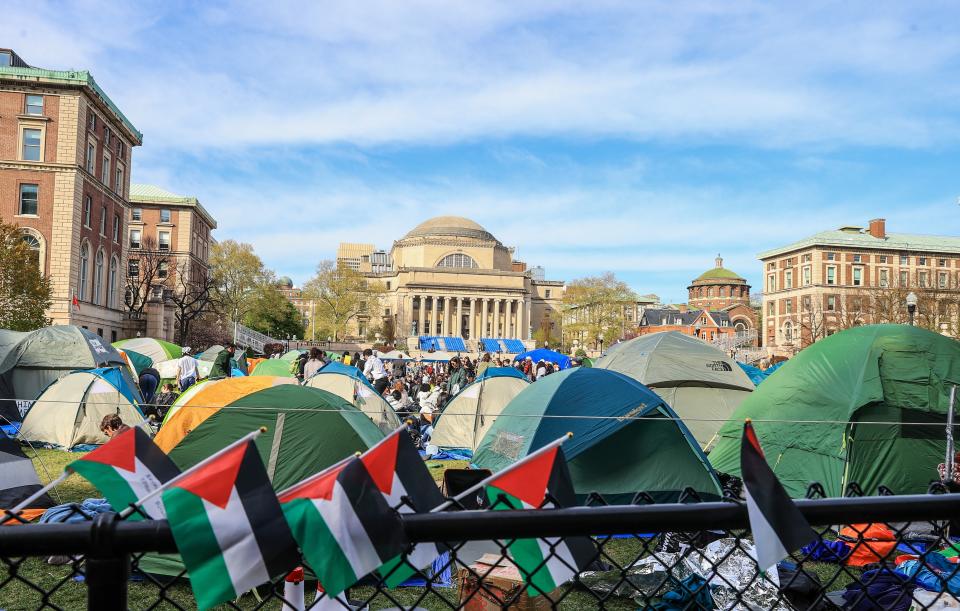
pixel 805 303
pixel 33 244
pixel 807 276
pixel 116 227
pixel 884 278
pixel 91 158
pixel 133 268
pixel 883 258
pixel 164 216
pixel 34 105
pixel 857 258
pixel 457 260
pixel 388 284
pixel 113 337
pixel 788 279
pixel 942 280
pixel 788 306
pixel 106 136
pixel 788 331
pixel 831 303
pixel 771 283
pixel 5 58
pixel 112 283
pixel 134 238
pixel 164 241
pixel 904 279
pixel 87 206
pixel 546 294
pixel 105 171
pixel 93 121
pixel 942 262
pixel 857 276
pixel 904 260
pixel 921 261
pixel 831 275
pixel 771 308
pixel 103 221
pixel 97 278
pixel 121 149
pixel 136 214
pixel 710 292
pixel 162 269
pixel 30 150
pixel 84 271
pixel 118 184
pixel 831 256
pixel 922 279
pixel 806 258
pixel 29 200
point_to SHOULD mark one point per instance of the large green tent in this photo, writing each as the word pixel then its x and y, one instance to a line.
pixel 272 367
pixel 157 349
pixel 866 405
pixel 626 439
pixel 699 381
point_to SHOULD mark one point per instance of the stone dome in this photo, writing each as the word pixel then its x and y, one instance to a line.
pixel 450 226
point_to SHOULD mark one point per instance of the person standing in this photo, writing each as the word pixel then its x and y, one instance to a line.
pixel 186 370
pixel 457 377
pixel 374 371
pixel 221 365
pixel 313 364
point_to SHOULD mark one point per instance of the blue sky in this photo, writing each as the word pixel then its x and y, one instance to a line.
pixel 635 137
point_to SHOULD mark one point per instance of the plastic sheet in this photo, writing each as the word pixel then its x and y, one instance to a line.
pixel 730 569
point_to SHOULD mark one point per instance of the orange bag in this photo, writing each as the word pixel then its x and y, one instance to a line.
pixel 869 542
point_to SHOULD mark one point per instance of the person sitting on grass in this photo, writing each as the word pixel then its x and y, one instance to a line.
pixel 112 425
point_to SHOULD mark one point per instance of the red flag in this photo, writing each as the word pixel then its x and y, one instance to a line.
pixel 76 302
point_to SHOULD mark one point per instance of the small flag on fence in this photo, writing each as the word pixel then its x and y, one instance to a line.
pixel 777 524
pixel 228 525
pixel 541 480
pixel 343 524
pixel 127 468
pixel 407 486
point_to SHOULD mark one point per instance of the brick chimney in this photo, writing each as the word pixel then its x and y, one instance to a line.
pixel 878 228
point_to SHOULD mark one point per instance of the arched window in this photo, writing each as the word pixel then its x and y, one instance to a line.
pixel 788 331
pixel 84 271
pixel 97 279
pixel 458 259
pixel 710 292
pixel 33 243
pixel 740 326
pixel 112 283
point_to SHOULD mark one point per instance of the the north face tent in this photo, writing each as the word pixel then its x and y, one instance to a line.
pixel 348 383
pixel 69 411
pixel 627 439
pixel 544 354
pixel 18 479
pixel 307 428
pixel 273 367
pixel 470 414
pixel 700 382
pixel 866 405
pixel 29 362
pixel 157 349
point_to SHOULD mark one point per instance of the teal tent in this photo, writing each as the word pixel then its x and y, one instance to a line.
pixel 626 439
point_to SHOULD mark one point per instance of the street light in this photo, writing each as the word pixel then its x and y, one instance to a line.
pixel 911 305
pixel 600 344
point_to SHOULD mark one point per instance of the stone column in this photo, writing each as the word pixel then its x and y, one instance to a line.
pixel 529 317
pixel 406 316
pixel 485 308
pixel 458 326
pixel 508 318
pixel 495 328
pixel 433 315
pixel 520 328
pixel 472 326
pixel 421 314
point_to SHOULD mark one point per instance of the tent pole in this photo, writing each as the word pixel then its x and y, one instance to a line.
pixel 948 463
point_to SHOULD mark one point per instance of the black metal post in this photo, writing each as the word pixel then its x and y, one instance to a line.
pixel 107 568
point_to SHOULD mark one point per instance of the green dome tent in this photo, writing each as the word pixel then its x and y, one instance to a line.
pixel 879 394
pixel 701 383
pixel 628 440
pixel 273 367
pixel 157 349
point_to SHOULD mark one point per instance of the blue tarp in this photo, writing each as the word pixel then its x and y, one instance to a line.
pixel 756 374
pixel 490 345
pixel 500 372
pixel 543 354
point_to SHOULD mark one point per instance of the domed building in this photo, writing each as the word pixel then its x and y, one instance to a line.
pixel 450 277
pixel 718 288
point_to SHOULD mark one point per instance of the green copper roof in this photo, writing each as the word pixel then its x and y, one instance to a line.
pixel 893 241
pixel 719 273
pixel 67 77
pixel 151 193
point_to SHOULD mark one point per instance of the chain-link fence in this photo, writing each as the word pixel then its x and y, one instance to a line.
pixel 877 552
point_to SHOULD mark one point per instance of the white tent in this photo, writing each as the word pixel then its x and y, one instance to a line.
pixel 468 417
pixel 357 391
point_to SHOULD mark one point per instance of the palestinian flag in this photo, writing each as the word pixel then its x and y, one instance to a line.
pixel 542 481
pixel 345 528
pixel 777 524
pixel 127 468
pixel 228 526
pixel 407 486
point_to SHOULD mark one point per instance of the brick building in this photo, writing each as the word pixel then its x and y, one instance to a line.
pixel 718 288
pixel 65 156
pixel 855 275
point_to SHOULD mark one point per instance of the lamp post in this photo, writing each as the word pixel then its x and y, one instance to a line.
pixel 600 344
pixel 912 305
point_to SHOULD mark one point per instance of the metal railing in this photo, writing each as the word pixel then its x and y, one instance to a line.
pixel 245 337
pixel 680 555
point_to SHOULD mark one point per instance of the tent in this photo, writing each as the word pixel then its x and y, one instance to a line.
pixel 156 349
pixel 866 405
pixel 758 375
pixel 210 354
pixel 18 478
pixel 168 369
pixel 69 411
pixel 471 413
pixel 135 361
pixel 348 383
pixel 700 382
pixel 437 356
pixel 394 355
pixel 307 428
pixel 273 367
pixel 291 355
pixel 544 354
pixel 29 362
pixel 627 441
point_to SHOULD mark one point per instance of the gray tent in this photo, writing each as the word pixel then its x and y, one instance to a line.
pixel 700 382
pixel 29 362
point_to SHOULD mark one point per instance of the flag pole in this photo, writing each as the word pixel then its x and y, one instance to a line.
pixel 553 444
pixel 248 437
pixel 36 495
pixel 309 479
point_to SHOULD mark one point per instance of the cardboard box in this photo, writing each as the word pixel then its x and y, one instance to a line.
pixel 502 582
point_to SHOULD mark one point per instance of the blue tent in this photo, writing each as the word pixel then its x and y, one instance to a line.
pixel 116 378
pixel 544 354
pixel 627 439
pixel 500 372
pixel 758 375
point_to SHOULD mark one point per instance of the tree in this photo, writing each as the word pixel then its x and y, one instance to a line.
pixel 148 268
pixel 272 314
pixel 237 275
pixel 192 296
pixel 25 293
pixel 342 296
pixel 594 307
pixel 938 308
